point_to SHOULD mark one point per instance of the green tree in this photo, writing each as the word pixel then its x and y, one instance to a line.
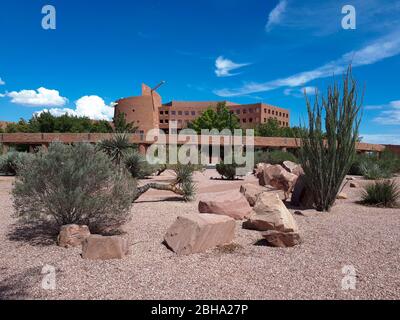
pixel 121 125
pixel 219 119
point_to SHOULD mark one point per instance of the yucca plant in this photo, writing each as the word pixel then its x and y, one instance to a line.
pixel 328 147
pixel 116 147
pixel 385 193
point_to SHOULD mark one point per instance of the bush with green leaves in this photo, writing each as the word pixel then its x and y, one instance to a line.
pixel 374 170
pixel 274 157
pixel 74 185
pixel 227 171
pixel 385 193
pixel 138 166
pixel 328 145
pixel 12 162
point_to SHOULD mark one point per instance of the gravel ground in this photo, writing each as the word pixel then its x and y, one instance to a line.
pixel 364 237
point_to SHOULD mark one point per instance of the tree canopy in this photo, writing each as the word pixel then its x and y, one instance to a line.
pixel 219 118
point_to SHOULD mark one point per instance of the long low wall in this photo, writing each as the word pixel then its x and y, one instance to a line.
pixel 260 142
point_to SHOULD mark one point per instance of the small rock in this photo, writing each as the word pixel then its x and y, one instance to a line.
pixel 342 196
pixel 282 239
pixel 97 247
pixel 196 233
pixel 230 203
pixel 72 235
pixel 293 167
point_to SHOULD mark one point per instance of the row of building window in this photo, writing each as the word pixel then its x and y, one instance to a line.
pixel 250 120
pixel 238 111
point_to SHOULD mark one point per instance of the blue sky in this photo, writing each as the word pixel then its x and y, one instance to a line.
pixel 242 51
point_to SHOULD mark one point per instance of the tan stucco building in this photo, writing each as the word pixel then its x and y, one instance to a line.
pixel 147 111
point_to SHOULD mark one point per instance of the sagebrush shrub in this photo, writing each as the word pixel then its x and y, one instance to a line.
pixel 374 171
pixel 385 193
pixel 73 185
pixel 13 161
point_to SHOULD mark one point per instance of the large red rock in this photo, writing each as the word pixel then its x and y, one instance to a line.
pixel 72 235
pixel 293 167
pixel 228 203
pixel 270 213
pixel 279 178
pixel 194 233
pixel 251 192
pixel 98 247
pixel 282 239
pixel 302 196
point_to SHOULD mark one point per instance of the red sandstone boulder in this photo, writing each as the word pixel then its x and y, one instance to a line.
pixel 270 213
pixel 279 178
pixel 72 235
pixel 194 233
pixel 281 239
pixel 98 247
pixel 229 203
pixel 251 192
pixel 259 173
pixel 293 167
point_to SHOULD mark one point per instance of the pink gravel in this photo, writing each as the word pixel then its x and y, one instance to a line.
pixel 364 237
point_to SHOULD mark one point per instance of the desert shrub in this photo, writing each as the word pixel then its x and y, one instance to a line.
pixel 374 170
pixel 12 162
pixel 138 166
pixel 73 185
pixel 390 161
pixel 274 157
pixel 383 193
pixel 328 146
pixel 227 171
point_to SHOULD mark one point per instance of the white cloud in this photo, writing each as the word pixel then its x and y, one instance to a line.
pixel 275 16
pixel 378 50
pixel 299 92
pixel 92 107
pixel 225 66
pixel 41 97
pixel 2 82
pixel 381 138
pixel 390 116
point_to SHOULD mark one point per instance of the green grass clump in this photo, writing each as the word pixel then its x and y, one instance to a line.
pixel 385 193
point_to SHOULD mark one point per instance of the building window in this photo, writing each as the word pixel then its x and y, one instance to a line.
pixel 179 113
pixel 161 121
pixel 166 121
pixel 265 110
pixel 280 114
pixel 179 121
pixel 244 111
pixel 186 113
pixel 251 110
pixel 193 113
pixel 273 112
pixel 161 112
pixel 250 119
pixel 166 112
pixel 173 112
pixel 244 120
pixel 265 119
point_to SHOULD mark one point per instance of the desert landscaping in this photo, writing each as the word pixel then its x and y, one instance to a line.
pixel 246 268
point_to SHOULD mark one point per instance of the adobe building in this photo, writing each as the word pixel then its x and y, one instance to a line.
pixel 147 112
